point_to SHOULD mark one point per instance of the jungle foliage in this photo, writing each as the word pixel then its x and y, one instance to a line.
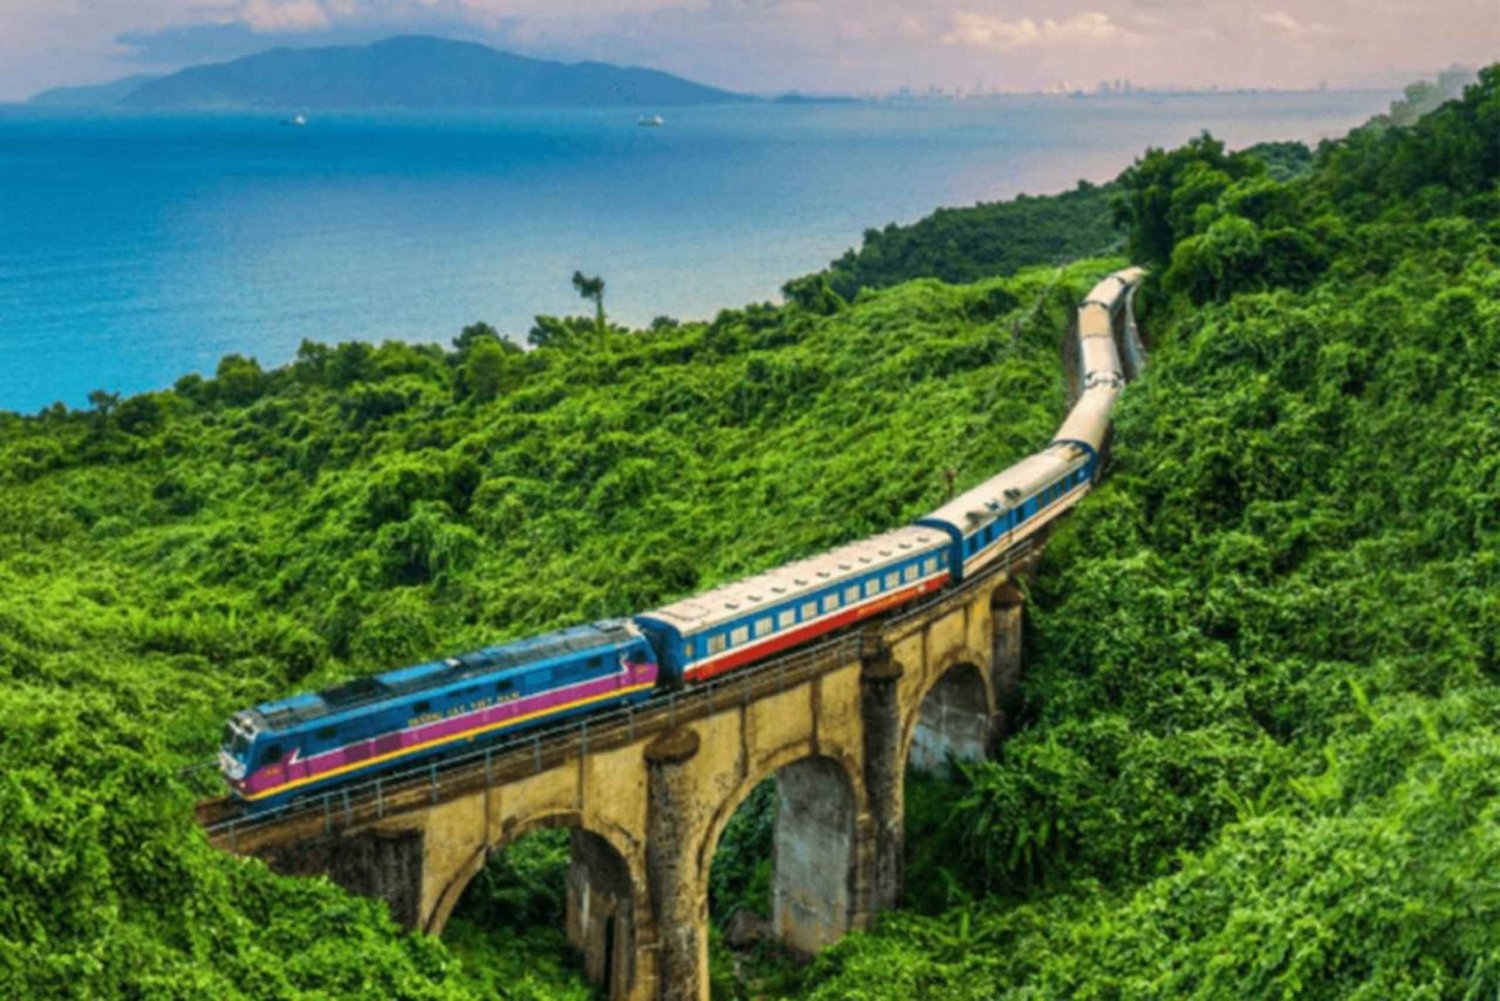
pixel 991 238
pixel 171 557
pixel 1258 750
pixel 1261 752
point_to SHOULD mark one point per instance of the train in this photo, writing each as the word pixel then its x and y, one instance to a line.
pixel 310 743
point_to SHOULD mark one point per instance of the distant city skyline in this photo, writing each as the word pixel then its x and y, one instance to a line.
pixel 765 46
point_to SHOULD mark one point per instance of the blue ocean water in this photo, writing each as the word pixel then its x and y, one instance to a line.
pixel 134 249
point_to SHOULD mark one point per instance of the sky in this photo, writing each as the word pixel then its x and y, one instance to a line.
pixel 772 46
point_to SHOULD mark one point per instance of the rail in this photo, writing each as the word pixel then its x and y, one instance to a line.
pixel 545 747
pixel 539 750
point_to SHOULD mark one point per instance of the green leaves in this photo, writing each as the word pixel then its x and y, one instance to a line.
pixel 263 532
pixel 1262 756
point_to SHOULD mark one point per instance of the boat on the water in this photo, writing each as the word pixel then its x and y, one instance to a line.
pixel 651 121
pixel 298 119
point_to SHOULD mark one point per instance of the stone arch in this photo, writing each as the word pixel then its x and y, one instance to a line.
pixel 952 716
pixel 605 894
pixel 819 800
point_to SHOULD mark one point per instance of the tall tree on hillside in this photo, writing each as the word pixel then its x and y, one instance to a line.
pixel 592 288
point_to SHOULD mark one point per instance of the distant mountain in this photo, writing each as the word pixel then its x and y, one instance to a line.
pixel 92 96
pixel 415 72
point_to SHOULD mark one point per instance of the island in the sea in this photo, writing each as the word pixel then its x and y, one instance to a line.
pixel 408 71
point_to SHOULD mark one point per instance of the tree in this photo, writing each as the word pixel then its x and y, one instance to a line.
pixel 240 380
pixel 555 331
pixel 1160 194
pixel 104 403
pixel 473 335
pixel 483 369
pixel 814 294
pixel 592 288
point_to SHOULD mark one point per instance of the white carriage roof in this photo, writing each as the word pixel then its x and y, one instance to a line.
pixel 1109 288
pixel 1089 418
pixel 977 507
pixel 766 590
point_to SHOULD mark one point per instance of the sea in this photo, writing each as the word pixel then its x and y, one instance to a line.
pixel 135 249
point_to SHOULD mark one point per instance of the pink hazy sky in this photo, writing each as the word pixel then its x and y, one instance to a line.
pixel 776 45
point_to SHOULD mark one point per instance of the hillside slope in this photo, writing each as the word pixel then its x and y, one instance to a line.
pixel 92 95
pixel 167 559
pixel 1262 752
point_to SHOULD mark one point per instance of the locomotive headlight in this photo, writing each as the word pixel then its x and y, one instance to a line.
pixel 231 766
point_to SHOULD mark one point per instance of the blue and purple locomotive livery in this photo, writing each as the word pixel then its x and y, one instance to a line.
pixel 311 743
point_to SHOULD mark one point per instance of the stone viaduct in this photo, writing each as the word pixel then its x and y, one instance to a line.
pixel 646 794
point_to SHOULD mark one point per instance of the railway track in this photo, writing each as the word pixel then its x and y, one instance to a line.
pixel 229 826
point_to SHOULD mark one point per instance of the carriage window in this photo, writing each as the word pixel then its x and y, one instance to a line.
pixel 851 594
pixel 910 573
pixel 421 707
pixel 764 627
pixel 272 755
pixel 929 565
pixel 504 686
pixel 595 663
pixel 739 635
pixel 786 617
pixel 325 733
pixel 830 602
pixel 689 650
pixel 716 643
pixel 809 610
pixel 872 586
pixel 943 558
pixel 639 657
pixel 893 578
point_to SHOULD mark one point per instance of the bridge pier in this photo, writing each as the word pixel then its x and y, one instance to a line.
pixel 954 721
pixel 671 868
pixel 1006 613
pixel 880 710
pixel 601 913
pixel 813 864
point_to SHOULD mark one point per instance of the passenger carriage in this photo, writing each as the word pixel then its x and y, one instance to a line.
pixel 703 636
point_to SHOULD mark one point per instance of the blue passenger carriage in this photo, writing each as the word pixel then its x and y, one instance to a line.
pixel 714 632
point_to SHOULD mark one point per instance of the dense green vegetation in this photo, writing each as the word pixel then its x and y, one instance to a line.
pixel 1258 752
pixel 992 238
pixel 1262 756
pixel 171 557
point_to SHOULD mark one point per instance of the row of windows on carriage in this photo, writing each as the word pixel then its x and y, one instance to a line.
pixel 813 606
pixel 518 683
pixel 982 538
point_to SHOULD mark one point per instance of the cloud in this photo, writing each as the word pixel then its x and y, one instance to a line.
pixel 1280 19
pixel 985 31
pixel 1283 23
pixel 267 16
